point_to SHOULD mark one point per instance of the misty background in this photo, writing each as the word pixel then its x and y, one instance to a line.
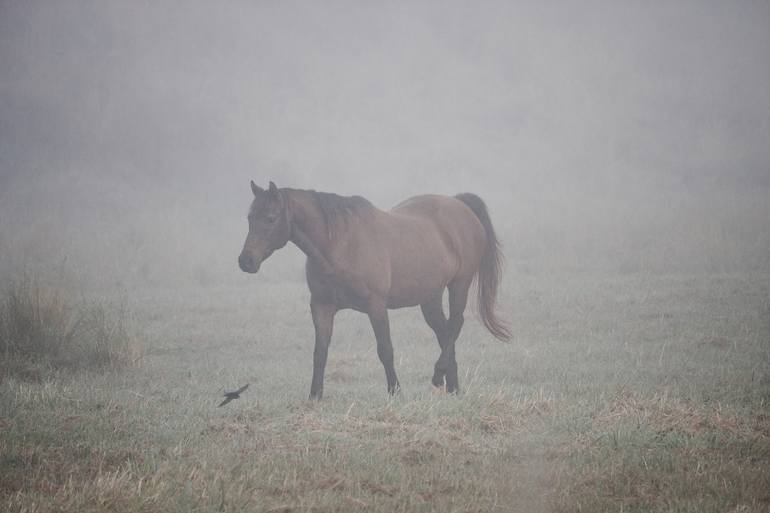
pixel 604 136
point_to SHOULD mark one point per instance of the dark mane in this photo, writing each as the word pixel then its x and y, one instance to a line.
pixel 336 209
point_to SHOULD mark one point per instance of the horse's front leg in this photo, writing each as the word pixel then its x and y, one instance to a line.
pixel 323 320
pixel 378 316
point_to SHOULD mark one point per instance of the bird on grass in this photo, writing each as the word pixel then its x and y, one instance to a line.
pixel 236 394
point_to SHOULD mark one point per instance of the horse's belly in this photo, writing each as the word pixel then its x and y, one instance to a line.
pixel 406 300
pixel 411 289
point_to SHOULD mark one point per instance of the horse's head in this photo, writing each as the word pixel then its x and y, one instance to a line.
pixel 269 227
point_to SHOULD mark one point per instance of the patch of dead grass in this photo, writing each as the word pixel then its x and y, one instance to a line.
pixel 648 452
pixel 68 478
pixel 502 413
pixel 672 415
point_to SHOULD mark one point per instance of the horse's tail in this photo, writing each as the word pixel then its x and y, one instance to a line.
pixel 490 271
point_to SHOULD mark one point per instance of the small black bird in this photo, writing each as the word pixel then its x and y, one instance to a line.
pixel 229 396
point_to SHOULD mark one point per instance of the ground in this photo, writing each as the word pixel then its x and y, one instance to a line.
pixel 619 392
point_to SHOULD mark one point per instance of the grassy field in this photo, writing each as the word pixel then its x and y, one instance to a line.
pixel 619 392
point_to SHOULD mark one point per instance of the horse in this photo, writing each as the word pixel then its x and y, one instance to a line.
pixel 362 258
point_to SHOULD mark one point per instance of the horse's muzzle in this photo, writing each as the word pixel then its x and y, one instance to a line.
pixel 247 264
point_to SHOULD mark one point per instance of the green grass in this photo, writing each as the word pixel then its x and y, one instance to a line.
pixel 625 392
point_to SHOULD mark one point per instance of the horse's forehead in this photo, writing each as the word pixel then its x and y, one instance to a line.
pixel 256 205
pixel 259 202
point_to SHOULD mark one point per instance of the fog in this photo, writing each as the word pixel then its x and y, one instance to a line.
pixel 604 136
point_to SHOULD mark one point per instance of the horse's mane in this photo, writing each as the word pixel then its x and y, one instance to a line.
pixel 337 209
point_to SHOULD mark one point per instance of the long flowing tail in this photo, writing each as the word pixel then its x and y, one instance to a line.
pixel 490 271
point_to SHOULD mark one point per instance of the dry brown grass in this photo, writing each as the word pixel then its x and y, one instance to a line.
pixel 648 452
pixel 666 414
pixel 44 326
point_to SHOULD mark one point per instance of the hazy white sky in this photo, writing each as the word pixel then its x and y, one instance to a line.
pixel 129 130
pixel 398 96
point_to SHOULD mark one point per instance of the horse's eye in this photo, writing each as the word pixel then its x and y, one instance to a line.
pixel 271 218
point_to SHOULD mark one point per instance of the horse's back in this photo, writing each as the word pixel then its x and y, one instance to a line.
pixel 458 224
pixel 431 240
pixel 425 204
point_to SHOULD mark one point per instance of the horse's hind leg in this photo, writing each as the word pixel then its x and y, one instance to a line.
pixel 458 297
pixel 433 311
pixel 378 316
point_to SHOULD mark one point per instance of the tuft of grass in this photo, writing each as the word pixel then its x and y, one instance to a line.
pixel 659 453
pixel 44 326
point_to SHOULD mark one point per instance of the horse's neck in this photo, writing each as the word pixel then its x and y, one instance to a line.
pixel 309 231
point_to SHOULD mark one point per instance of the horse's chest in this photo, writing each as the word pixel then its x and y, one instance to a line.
pixel 344 291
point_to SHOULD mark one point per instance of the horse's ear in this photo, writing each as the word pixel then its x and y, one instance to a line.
pixel 256 189
pixel 273 189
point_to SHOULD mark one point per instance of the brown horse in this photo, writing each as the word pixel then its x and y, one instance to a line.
pixel 369 260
